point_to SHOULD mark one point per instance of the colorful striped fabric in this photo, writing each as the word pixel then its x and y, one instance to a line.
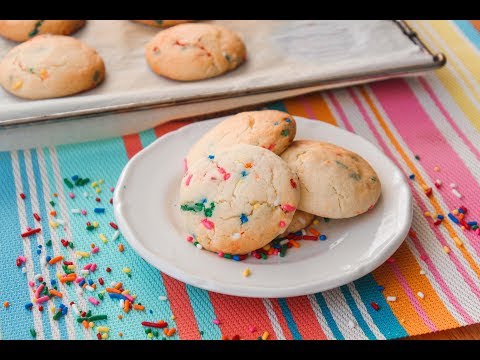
pixel 436 117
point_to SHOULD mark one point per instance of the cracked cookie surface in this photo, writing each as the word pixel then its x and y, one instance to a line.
pixel 270 129
pixel 334 182
pixel 50 66
pixel 238 201
pixel 190 52
pixel 23 30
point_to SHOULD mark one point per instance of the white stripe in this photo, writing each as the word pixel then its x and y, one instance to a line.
pixel 320 318
pixel 40 240
pixel 444 127
pixel 434 248
pixel 81 302
pixel 333 110
pixel 342 314
pixel 37 320
pixel 363 310
pixel 273 319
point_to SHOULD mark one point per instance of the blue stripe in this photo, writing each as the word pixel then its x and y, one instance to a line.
pixel 15 321
pixel 469 30
pixel 147 137
pixel 289 318
pixel 204 313
pixel 278 105
pixel 32 241
pixel 356 312
pixel 385 320
pixel 105 160
pixel 328 317
pixel 46 236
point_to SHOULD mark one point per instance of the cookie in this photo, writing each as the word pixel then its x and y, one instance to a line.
pixel 301 220
pixel 50 66
pixel 239 200
pixel 271 129
pixel 23 30
pixel 190 52
pixel 162 23
pixel 334 182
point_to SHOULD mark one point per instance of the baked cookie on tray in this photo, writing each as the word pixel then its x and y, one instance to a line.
pixel 190 52
pixel 23 30
pixel 271 129
pixel 162 23
pixel 334 182
pixel 50 66
pixel 239 200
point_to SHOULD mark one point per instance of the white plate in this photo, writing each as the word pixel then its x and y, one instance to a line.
pixel 147 211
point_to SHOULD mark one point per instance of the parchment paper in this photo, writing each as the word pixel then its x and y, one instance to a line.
pixel 279 52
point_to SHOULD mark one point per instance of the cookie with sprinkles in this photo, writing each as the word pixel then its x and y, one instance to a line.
pixel 50 66
pixel 270 129
pixel 239 201
pixel 301 220
pixel 334 182
pixel 162 23
pixel 23 30
pixel 189 52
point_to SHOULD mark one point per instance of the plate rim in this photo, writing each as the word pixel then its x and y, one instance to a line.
pixel 166 267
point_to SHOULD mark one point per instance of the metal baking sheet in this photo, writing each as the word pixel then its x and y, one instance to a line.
pixel 282 55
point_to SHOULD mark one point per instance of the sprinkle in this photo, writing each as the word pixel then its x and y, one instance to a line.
pixel 265 335
pixel 380 288
pixel 93 301
pixel 115 236
pixel 31 232
pixel 453 218
pixel 43 299
pixel 456 193
pixel 120 247
pixel 187 181
pixel 95 224
pixel 103 238
pixel 95 250
pixel 453 185
pixel 160 325
pixel 246 272
pixel 103 329
pixel 55 293
pixel 446 249
pixel 391 298
pixel 216 321
pixel 422 272
pixel 412 176
pixel 71 195
pixel 113 225
pixel 323 237
pixel 420 295
pixel 198 245
pixel 126 270
pixel 208 224
pixel 436 168
pixel 211 157
pixel 458 242
pixel 162 298
pixel 248 165
pixel 351 324
pixel 417 157
pixel 83 254
pixel 309 237
pixel 288 207
pixel 99 210
pixel 235 236
pixel 22 195
pixel 244 173
pixel 438 183
pixel 294 243
pixel 375 306
pixel 428 191
pixel 55 259
pixel 285 132
pixel 17 85
pixel 68 183
pixel 243 218
pixel 281 224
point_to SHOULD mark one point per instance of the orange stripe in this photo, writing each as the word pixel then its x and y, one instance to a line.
pixel 320 108
pixel 162 129
pixel 237 314
pixel 281 319
pixel 419 177
pixel 295 107
pixel 476 24
pixel 305 319
pixel 133 144
pixel 182 309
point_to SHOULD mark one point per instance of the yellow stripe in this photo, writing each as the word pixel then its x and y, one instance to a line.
pixel 448 78
pixel 419 177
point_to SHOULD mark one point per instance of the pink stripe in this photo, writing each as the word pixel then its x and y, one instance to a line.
pixel 439 236
pixel 447 116
pixel 412 298
pixel 406 114
pixel 308 109
pixel 340 111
